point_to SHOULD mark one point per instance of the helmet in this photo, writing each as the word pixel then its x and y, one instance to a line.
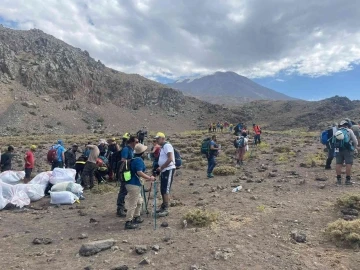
pixel 339 135
pixel 126 135
pixel 33 147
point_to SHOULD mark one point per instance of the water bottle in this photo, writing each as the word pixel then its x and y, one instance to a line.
pixel 238 188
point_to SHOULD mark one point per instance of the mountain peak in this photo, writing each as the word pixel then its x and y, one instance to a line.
pixel 226 87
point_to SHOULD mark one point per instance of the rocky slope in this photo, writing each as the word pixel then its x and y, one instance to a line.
pixel 226 88
pixel 44 81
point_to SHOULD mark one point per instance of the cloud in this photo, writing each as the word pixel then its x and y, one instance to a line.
pixel 280 80
pixel 173 39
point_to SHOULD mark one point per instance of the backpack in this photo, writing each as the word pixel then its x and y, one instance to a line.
pixel 239 143
pixel 205 146
pixel 342 144
pixel 178 160
pixel 324 137
pixel 123 172
pixel 52 155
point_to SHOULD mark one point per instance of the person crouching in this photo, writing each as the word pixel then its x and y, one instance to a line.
pixel 133 187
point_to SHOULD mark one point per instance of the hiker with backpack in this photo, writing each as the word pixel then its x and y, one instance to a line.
pixel 127 153
pixel 70 157
pixel 56 155
pixel 167 170
pixel 6 158
pixel 345 144
pixel 134 181
pixel 241 145
pixel 257 132
pixel 327 140
pixel 29 163
pixel 211 156
pixel 90 167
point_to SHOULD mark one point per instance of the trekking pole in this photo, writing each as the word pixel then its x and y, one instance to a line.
pixel 144 205
pixel 148 199
pixel 252 148
pixel 155 205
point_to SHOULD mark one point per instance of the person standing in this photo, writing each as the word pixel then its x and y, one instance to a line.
pixel 211 157
pixel 141 134
pixel 29 163
pixel 242 147
pixel 356 129
pixel 127 153
pixel 257 132
pixel 345 145
pixel 60 154
pixel 110 155
pixel 133 187
pixel 88 173
pixel 102 147
pixel 330 146
pixel 70 157
pixel 5 160
pixel 167 170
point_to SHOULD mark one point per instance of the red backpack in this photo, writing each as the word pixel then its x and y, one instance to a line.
pixel 52 155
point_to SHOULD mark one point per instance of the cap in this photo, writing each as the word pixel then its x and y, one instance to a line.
pixel 60 142
pixel 75 145
pixel 344 122
pixel 159 135
pixel 126 135
pixel 33 147
pixel 139 148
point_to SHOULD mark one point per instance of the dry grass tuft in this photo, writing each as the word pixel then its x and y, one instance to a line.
pixel 103 188
pixel 349 201
pixel 346 232
pixel 201 218
pixel 224 170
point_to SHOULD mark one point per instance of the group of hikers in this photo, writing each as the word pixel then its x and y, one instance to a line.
pixel 210 148
pixel 342 143
pixel 124 162
pixel 220 127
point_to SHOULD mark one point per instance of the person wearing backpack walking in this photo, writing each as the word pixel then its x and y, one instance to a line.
pixel 241 148
pixel 327 136
pixel 167 170
pixel 211 157
pixel 257 132
pixel 345 144
pixel 134 186
pixel 127 153
pixel 57 160
pixel 88 173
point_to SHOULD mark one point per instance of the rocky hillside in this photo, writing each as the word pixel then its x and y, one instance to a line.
pixel 226 88
pixel 316 115
pixel 48 86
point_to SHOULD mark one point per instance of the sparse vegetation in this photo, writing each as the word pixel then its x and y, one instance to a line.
pixel 346 232
pixel 349 201
pixel 104 188
pixel 282 149
pixel 224 170
pixel 201 218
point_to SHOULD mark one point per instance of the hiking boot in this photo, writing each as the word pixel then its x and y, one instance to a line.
pixel 120 212
pixel 162 207
pixel 137 220
pixel 348 181
pixel 163 213
pixel 129 225
pixel 338 182
pixel 327 168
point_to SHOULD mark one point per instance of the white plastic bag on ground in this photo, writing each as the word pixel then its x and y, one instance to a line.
pixel 62 175
pixel 15 196
pixel 34 191
pixel 63 197
pixel 68 186
pixel 12 177
pixel 42 179
pixel 3 201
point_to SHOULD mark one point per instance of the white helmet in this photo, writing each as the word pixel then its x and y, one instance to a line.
pixel 339 135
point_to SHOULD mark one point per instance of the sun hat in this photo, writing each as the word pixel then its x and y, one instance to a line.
pixel 159 135
pixel 139 148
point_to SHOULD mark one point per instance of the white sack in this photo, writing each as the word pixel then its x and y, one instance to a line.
pixel 12 177
pixel 42 179
pixel 63 197
pixel 15 196
pixel 3 201
pixel 60 175
pixel 34 191
pixel 68 186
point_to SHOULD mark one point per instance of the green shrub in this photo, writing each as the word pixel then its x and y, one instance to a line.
pixel 224 170
pixel 349 201
pixel 346 232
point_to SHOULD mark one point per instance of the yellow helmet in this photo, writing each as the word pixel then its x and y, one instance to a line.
pixel 126 135
pixel 33 147
pixel 160 135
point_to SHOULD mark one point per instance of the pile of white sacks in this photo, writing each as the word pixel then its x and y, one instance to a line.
pixel 63 191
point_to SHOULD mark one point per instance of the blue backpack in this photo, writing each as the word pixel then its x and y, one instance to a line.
pixel 178 160
pixel 324 137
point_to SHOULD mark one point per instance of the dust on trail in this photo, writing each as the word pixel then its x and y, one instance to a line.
pixel 280 195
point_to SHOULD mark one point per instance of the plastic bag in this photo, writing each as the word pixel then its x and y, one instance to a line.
pixel 14 195
pixel 12 177
pixel 62 175
pixel 34 191
pixel 63 197
pixel 42 179
pixel 3 201
pixel 68 186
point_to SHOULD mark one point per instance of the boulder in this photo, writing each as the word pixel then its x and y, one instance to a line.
pixel 95 247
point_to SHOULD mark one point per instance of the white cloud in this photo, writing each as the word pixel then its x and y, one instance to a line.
pixel 181 38
pixel 280 80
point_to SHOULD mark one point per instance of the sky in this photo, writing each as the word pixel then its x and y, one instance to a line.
pixel 306 49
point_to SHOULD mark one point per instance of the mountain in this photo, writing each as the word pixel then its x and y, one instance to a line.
pixel 48 86
pixel 226 88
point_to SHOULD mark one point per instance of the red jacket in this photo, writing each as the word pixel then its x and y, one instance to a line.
pixel 257 130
